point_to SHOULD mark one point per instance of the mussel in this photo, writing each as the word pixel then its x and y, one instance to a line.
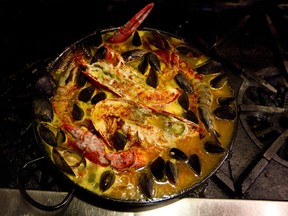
pixel 99 54
pixel 191 116
pixel 152 79
pixel 157 168
pixel 136 40
pixel 98 97
pixel 45 85
pixel 107 179
pixel 142 67
pixel 218 81
pixel 225 112
pixel 119 141
pixel 153 61
pixel 133 54
pixel 225 100
pixel 146 184
pixel 86 93
pixel 171 171
pixel 209 67
pixel 213 147
pixel 47 135
pixel 195 164
pixel 184 83
pixel 77 112
pixel 183 101
pixel 72 157
pixel 61 163
pixel 81 79
pixel 177 154
pixel 160 41
pixel 42 109
pixel 61 137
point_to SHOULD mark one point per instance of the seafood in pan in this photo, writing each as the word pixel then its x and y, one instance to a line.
pixel 135 114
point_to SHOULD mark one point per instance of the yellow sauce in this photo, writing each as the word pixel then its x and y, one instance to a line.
pixel 126 185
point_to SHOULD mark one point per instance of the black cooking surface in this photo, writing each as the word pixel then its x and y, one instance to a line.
pixel 236 33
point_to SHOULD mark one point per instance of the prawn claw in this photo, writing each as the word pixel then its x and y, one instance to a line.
pixel 131 26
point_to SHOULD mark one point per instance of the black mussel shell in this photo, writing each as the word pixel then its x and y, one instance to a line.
pixel 209 67
pixel 225 112
pixel 142 67
pixel 218 81
pixel 42 109
pixel 225 100
pixel 184 49
pixel 86 93
pixel 213 147
pixel 99 54
pixel 157 168
pixel 46 85
pixel 171 172
pixel 107 179
pixel 136 40
pixel 195 164
pixel 77 112
pixel 119 140
pixel 153 61
pixel 184 83
pixel 61 137
pixel 47 135
pixel 133 54
pixel 183 101
pixel 152 79
pixel 160 41
pixel 191 116
pixel 146 185
pixel 81 78
pixel 72 158
pixel 61 163
pixel 98 97
pixel 177 154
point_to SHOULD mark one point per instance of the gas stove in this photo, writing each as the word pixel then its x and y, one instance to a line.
pixel 246 37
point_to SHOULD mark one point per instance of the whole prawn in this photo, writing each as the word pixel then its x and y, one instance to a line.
pixel 66 86
pixel 93 148
pixel 204 106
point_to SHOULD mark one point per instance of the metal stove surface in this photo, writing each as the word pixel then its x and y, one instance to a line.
pixel 250 43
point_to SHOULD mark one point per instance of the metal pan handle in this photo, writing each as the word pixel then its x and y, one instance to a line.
pixel 21 184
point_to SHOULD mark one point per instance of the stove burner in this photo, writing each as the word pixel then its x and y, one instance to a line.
pixel 263 99
pixel 264 117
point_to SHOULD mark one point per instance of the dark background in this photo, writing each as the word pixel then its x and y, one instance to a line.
pixel 36 30
pixel 40 28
